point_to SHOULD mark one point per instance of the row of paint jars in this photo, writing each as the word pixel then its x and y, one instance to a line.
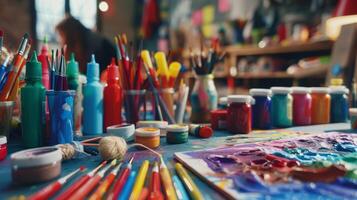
pixel 282 107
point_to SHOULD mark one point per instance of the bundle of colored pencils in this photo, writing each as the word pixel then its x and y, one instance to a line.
pixel 10 72
pixel 203 63
pixel 57 70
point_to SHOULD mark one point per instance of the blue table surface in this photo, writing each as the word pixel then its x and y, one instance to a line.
pixel 7 189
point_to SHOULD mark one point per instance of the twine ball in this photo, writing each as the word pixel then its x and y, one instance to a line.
pixel 67 150
pixel 112 147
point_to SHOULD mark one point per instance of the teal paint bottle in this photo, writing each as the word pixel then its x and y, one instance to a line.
pixel 282 103
pixel 33 101
pixel 93 101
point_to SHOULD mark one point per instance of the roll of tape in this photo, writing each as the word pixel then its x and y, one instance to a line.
pixel 124 130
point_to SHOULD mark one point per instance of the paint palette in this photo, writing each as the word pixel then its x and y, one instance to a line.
pixel 310 166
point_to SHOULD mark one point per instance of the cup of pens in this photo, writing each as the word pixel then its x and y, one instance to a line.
pixel 60 104
pixel 133 101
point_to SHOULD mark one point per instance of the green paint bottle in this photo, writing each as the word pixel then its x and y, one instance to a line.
pixel 33 101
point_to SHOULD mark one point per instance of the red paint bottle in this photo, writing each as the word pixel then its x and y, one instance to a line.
pixel 112 97
pixel 239 114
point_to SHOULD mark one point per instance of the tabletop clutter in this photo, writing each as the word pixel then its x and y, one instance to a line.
pixel 140 101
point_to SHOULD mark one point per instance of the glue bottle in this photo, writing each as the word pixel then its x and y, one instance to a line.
pixel 33 101
pixel 43 58
pixel 112 97
pixel 92 101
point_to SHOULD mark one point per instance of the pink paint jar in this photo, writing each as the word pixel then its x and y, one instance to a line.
pixel 3 147
pixel 301 106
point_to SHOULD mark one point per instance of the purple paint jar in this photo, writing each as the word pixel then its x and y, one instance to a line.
pixel 261 108
pixel 301 106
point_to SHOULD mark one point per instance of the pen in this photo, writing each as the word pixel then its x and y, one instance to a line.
pixel 124 195
pixel 180 190
pixel 169 190
pixel 140 180
pixel 194 192
pixel 155 187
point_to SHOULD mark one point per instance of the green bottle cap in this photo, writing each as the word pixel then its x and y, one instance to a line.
pixel 33 68
pixel 72 67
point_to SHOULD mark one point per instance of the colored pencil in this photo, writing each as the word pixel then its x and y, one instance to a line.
pixel 194 192
pixel 180 190
pixel 54 187
pixel 140 181
pixel 124 195
pixel 169 189
pixel 155 186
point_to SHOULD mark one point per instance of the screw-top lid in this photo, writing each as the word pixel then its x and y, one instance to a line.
pixel 280 90
pixel 339 90
pixel 222 101
pixel 33 68
pixel 239 99
pixel 72 67
pixel 155 124
pixel 147 132
pixel 300 90
pixel 36 157
pixel 322 90
pixel 92 70
pixel 177 128
pixel 259 92
pixel 113 71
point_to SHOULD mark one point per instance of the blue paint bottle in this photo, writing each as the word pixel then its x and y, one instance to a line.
pixel 93 101
pixel 339 104
pixel 282 103
pixel 261 108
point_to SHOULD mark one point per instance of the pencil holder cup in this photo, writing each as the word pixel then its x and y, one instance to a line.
pixel 167 95
pixel 6 111
pixel 203 98
pixel 133 101
pixel 61 105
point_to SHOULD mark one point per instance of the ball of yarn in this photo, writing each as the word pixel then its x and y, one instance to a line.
pixel 112 147
pixel 67 150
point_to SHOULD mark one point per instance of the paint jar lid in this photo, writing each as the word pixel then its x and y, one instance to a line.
pixel 3 140
pixel 177 128
pixel 154 124
pixel 300 90
pixel 280 90
pixel 205 132
pixel 147 132
pixel 259 92
pixel 222 101
pixel 339 90
pixel 239 99
pixel 323 90
pixel 353 111
pixel 36 157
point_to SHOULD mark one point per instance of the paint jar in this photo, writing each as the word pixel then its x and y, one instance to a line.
pixel 261 108
pixel 177 134
pixel 219 119
pixel 320 106
pixel 3 147
pixel 222 103
pixel 36 165
pixel 124 130
pixel 239 114
pixel 6 111
pixel 353 118
pixel 148 136
pixel 154 124
pixel 133 101
pixel 200 131
pixel 61 106
pixel 282 103
pixel 339 104
pixel 301 106
pixel 203 99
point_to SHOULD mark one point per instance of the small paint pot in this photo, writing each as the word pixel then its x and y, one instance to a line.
pixel 148 136
pixel 219 119
pixel 154 124
pixel 124 130
pixel 200 131
pixel 353 118
pixel 3 147
pixel 36 165
pixel 177 134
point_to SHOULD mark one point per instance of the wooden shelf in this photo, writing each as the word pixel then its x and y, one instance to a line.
pixel 263 75
pixel 236 50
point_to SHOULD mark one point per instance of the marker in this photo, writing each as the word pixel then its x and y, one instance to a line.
pixel 52 188
pixel 118 186
pixel 194 192
pixel 169 189
pixel 180 190
pixel 124 195
pixel 155 187
pixel 66 194
pixel 140 180
pixel 103 187
pixel 82 192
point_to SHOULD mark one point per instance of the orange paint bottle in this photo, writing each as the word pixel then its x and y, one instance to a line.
pixel 321 103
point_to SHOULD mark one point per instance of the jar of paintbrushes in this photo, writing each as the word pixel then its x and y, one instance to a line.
pixel 204 95
pixel 134 100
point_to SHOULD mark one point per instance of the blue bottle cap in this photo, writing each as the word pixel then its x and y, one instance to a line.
pixel 92 70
